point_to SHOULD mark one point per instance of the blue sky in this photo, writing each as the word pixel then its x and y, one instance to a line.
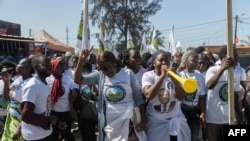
pixel 195 21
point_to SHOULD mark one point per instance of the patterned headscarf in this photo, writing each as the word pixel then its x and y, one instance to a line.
pixel 57 89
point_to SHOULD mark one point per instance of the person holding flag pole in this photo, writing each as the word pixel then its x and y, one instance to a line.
pixel 223 83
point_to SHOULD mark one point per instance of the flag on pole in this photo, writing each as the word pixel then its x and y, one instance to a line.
pixel 172 48
pixel 86 33
pixel 79 35
pixel 101 40
pixel 236 39
pixel 83 33
pixel 144 47
pixel 107 46
pixel 154 42
pixel 130 43
pixel 178 47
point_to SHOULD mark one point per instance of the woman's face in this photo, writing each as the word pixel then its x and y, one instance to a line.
pixel 108 68
pixel 177 58
pixel 202 65
pixel 134 61
pixel 192 62
pixel 161 59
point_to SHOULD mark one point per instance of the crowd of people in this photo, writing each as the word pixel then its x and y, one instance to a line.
pixel 137 97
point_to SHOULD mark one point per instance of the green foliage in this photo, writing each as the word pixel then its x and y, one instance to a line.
pixel 118 15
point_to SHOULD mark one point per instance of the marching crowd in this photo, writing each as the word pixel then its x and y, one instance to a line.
pixel 129 97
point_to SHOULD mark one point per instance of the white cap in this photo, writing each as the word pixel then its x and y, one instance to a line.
pixel 68 53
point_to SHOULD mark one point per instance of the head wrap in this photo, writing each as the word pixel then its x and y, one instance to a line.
pixel 57 89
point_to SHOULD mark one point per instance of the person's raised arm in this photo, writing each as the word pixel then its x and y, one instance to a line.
pixel 83 55
pixel 226 63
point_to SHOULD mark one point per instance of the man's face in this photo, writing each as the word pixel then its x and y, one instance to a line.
pixel 164 96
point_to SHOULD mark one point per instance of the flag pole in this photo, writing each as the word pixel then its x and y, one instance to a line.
pixel 231 69
pixel 85 43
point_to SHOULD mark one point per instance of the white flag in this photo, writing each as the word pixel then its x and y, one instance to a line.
pixel 86 34
pixel 101 40
pixel 130 43
pixel 172 48
pixel 83 33
pixel 144 47
pixel 154 42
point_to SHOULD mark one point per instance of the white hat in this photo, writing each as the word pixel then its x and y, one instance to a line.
pixel 68 53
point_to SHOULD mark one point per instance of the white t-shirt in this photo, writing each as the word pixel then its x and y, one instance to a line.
pixel 172 106
pixel 38 93
pixel 241 70
pixel 192 99
pixel 62 104
pixel 139 74
pixel 69 72
pixel 117 90
pixel 217 98
pixel 16 87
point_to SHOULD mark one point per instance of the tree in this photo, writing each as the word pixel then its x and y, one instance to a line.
pixel 159 38
pixel 246 42
pixel 119 15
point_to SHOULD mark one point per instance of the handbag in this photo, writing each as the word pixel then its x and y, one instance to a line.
pixel 89 110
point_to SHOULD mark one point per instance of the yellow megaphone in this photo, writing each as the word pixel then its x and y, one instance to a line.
pixel 189 84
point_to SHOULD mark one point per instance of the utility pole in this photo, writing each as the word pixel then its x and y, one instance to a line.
pixel 235 32
pixel 236 26
pixel 67 35
pixel 30 32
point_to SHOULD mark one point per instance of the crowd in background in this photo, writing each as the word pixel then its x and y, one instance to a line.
pixel 136 97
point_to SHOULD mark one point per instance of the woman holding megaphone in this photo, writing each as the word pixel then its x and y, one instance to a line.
pixel 164 93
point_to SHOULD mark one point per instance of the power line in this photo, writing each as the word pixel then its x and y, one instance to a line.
pixel 195 25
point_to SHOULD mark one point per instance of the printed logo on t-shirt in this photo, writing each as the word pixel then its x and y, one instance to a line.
pixel 86 92
pixel 170 85
pixel 166 105
pixel 115 93
pixel 48 106
pixel 190 96
pixel 223 92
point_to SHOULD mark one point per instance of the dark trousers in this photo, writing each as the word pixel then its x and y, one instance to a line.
pixel 87 129
pixel 192 115
pixel 215 132
pixel 66 134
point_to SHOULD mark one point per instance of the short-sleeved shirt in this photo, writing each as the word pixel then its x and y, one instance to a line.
pixel 154 108
pixel 192 99
pixel 38 93
pixel 217 97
